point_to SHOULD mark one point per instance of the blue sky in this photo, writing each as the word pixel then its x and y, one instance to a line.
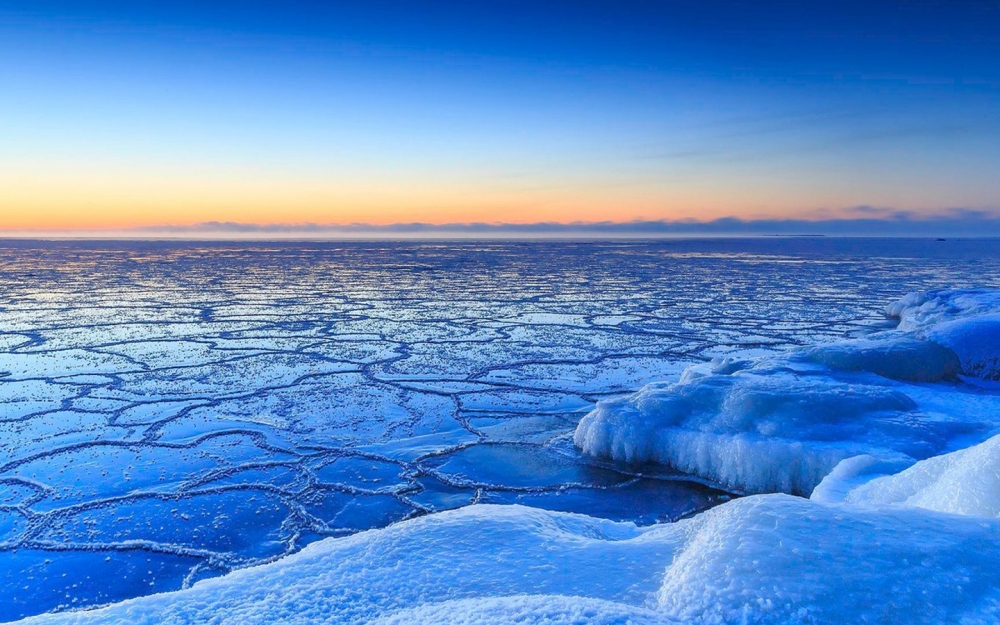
pixel 120 115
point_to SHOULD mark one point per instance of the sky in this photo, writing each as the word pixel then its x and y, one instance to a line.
pixel 271 117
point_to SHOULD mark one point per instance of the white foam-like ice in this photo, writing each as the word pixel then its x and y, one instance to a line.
pixel 921 310
pixel 781 424
pixel 755 430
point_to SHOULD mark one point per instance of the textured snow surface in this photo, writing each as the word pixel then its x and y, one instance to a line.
pixel 762 559
pixel 782 423
pixel 524 609
pixel 962 482
pixel 779 559
pixel 925 309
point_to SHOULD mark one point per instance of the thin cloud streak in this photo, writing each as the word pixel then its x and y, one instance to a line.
pixel 861 221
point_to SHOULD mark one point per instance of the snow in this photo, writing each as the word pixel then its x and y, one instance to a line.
pixel 782 423
pixel 962 482
pixel 761 559
pixel 925 309
pixel 976 340
pixel 967 321
pixel 780 559
pixel 895 357
pixel 526 610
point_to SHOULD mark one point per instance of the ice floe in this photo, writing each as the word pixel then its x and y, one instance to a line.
pixel 782 423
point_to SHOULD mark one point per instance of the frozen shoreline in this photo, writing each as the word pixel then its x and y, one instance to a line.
pixel 902 524
pixel 782 423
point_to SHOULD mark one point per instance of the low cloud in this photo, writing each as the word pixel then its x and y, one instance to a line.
pixel 859 221
pixel 863 221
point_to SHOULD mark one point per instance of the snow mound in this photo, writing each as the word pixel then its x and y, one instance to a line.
pixel 962 482
pixel 966 321
pixel 472 557
pixel 854 472
pixel 917 311
pixel 781 424
pixel 762 429
pixel 897 358
pixel 779 559
pixel 976 341
pixel 758 560
pixel 525 610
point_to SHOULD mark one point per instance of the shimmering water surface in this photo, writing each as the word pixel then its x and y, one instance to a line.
pixel 171 411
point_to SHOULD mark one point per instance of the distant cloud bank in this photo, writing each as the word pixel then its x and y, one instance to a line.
pixel 862 221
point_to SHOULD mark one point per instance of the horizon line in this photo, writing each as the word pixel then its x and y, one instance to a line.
pixel 868 222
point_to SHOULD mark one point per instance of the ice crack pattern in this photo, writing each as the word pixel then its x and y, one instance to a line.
pixel 172 411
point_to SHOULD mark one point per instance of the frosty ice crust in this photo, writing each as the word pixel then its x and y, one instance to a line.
pixel 783 423
pixel 967 321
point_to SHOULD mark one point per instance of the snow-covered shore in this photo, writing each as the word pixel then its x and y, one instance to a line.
pixel 781 424
pixel 895 437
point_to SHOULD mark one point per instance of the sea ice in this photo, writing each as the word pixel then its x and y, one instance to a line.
pixel 878 543
pixel 154 397
pixel 782 423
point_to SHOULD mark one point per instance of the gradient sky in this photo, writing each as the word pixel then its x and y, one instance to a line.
pixel 131 114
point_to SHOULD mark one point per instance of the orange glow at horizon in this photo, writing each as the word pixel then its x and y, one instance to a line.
pixel 91 205
pixel 138 213
pixel 37 197
pixel 89 201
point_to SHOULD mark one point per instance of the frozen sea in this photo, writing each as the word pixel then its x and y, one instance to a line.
pixel 172 411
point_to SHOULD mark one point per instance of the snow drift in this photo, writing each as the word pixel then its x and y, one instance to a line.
pixel 962 482
pixel 762 559
pixel 781 424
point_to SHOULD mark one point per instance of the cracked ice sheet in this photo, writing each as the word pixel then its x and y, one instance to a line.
pixel 119 359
